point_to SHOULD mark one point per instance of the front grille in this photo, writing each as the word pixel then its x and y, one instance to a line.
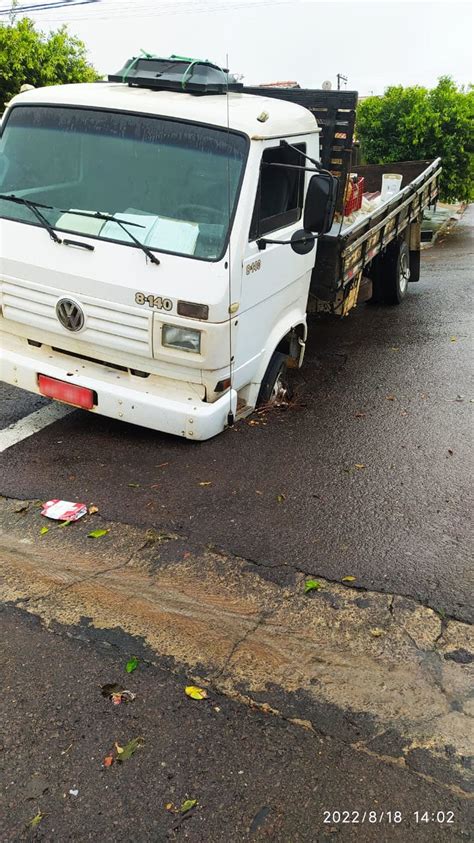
pixel 112 326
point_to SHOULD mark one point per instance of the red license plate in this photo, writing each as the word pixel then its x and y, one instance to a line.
pixel 69 393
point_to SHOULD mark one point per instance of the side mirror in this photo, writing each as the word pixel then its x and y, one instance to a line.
pixel 320 203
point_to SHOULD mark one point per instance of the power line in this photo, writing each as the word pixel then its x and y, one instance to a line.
pixel 15 10
pixel 148 9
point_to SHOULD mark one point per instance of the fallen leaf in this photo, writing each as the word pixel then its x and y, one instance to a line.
pixel 348 579
pixel 187 805
pixel 281 498
pixel 108 761
pixel 170 807
pixel 395 348
pixel 131 665
pixel 258 492
pixel 453 339
pixel 117 694
pixel 97 534
pixel 36 820
pixel 450 451
pixel 64 524
pixel 359 465
pixel 403 413
pixel 359 415
pixel 44 530
pixel 376 632
pixel 195 693
pixel 93 509
pixel 126 752
pixel 134 485
pixel 390 398
pixel 205 483
pixel 312 585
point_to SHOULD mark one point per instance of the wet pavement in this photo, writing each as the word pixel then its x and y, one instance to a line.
pixel 352 699
pixel 256 777
pixel 367 474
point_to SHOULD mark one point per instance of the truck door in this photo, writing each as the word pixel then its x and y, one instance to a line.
pixel 275 279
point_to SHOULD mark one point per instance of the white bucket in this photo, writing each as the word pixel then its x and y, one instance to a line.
pixel 391 184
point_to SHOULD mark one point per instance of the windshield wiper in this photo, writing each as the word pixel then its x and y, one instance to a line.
pixel 122 223
pixel 33 207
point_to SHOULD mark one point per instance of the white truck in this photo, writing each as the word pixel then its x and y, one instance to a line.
pixel 164 234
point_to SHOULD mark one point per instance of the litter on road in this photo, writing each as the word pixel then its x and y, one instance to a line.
pixel 117 694
pixel 63 510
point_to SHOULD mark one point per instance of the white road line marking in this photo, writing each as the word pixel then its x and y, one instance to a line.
pixel 31 424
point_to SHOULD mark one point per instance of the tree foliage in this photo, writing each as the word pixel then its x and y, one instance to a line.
pixel 29 56
pixel 408 124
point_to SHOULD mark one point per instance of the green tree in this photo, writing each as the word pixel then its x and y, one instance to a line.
pixel 29 56
pixel 407 124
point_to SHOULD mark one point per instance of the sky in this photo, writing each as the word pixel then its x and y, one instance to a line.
pixel 374 43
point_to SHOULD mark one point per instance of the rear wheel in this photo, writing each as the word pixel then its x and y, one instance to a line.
pixel 275 388
pixel 391 273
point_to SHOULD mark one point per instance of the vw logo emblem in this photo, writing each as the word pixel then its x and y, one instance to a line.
pixel 70 314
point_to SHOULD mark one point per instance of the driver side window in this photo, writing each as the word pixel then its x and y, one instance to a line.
pixel 280 190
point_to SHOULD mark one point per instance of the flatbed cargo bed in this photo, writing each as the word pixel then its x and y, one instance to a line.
pixel 344 253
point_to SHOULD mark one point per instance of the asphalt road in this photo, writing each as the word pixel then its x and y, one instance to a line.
pixel 387 389
pixel 255 777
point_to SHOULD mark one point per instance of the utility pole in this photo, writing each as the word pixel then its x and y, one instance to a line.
pixel 341 78
pixel 13 13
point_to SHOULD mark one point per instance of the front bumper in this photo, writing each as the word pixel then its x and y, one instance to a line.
pixel 158 403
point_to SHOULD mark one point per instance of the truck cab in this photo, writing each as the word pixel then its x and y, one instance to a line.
pixel 146 266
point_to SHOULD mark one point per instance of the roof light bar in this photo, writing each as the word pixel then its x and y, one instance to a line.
pixel 176 73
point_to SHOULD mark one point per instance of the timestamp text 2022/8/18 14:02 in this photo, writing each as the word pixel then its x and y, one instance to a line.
pixel 390 817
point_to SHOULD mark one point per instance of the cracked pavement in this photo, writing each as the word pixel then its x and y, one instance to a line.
pixel 256 776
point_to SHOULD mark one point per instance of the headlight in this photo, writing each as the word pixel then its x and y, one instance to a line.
pixel 186 339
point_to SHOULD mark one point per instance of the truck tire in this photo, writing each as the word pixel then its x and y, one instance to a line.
pixel 275 388
pixel 414 265
pixel 391 274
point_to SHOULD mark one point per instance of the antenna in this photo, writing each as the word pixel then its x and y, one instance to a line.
pixel 327 85
pixel 230 415
pixel 341 78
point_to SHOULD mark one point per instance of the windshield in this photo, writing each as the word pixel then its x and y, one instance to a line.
pixel 177 181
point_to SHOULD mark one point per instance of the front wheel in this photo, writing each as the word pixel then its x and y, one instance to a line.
pixel 275 388
pixel 392 274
